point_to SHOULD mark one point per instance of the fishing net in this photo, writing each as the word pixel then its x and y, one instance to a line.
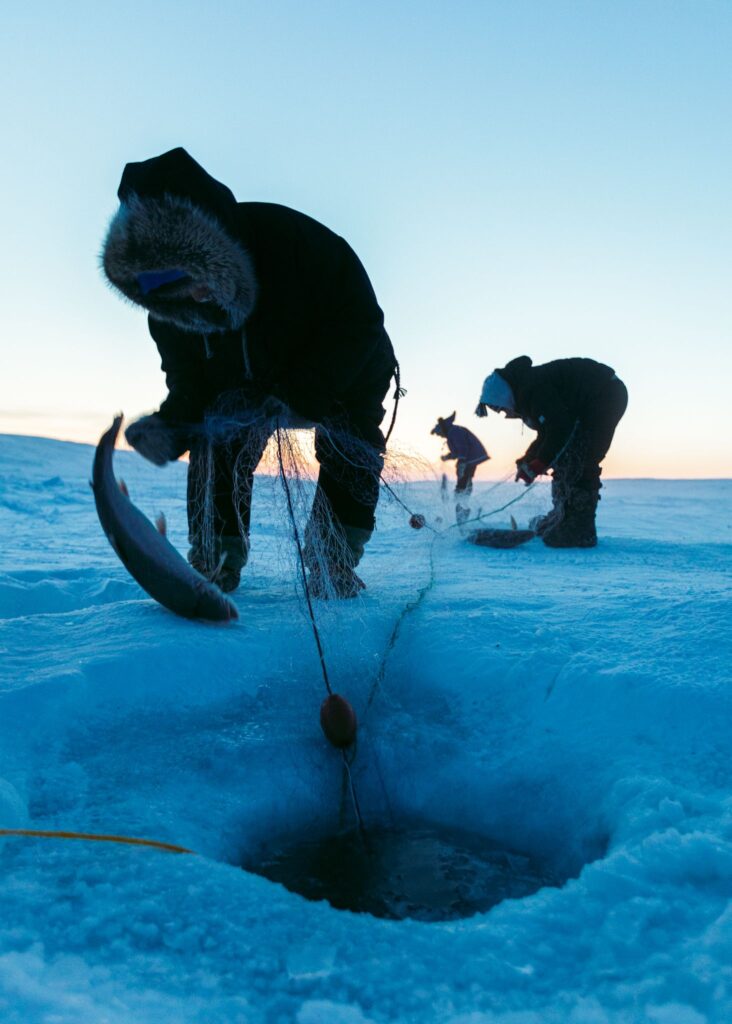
pixel 301 476
pixel 334 480
pixel 326 488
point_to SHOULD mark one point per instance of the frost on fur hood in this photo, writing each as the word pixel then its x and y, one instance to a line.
pixel 174 216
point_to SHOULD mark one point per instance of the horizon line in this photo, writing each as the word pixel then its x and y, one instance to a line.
pixel 413 479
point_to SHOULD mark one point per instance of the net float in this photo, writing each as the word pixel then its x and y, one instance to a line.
pixel 338 721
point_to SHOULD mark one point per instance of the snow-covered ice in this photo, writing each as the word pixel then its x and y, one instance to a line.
pixel 573 704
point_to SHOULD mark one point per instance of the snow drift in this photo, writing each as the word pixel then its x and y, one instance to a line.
pixel 572 704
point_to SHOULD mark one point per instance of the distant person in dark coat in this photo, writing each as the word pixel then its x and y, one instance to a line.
pixel 264 316
pixel 575 406
pixel 464 447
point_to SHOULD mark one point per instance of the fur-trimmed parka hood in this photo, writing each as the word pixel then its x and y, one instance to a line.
pixel 174 216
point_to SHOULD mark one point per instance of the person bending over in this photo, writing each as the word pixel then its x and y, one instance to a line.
pixel 574 405
pixel 263 318
pixel 464 447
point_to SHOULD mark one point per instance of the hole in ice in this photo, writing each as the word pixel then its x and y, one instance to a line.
pixel 415 871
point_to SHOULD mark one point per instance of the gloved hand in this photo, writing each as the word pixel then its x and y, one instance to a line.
pixel 528 471
pixel 155 439
pixel 481 410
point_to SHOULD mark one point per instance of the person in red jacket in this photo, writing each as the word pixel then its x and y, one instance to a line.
pixel 574 405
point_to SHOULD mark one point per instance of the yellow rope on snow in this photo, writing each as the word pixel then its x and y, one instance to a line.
pixel 129 840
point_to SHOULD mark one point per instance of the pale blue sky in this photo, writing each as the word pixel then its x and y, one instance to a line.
pixel 538 177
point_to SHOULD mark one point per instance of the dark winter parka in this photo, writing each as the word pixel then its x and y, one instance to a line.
pixel 294 313
pixel 465 446
pixel 555 396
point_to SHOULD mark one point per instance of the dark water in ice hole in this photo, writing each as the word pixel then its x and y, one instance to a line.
pixel 414 871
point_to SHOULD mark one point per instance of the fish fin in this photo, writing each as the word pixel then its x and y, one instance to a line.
pixel 514 524
pixel 123 487
pixel 161 524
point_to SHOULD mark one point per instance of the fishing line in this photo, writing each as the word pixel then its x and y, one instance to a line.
pixel 354 798
pixel 499 483
pixel 93 837
pixel 311 612
pixel 495 511
pixel 409 607
pixel 301 557
pixel 413 604
pixel 406 508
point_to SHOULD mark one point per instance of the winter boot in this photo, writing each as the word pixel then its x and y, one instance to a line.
pixel 462 514
pixel 332 559
pixel 336 582
pixel 576 528
pixel 229 558
pixel 541 524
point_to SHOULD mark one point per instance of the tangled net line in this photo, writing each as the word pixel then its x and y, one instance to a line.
pixel 285 454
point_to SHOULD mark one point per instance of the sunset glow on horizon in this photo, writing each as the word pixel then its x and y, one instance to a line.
pixel 416 461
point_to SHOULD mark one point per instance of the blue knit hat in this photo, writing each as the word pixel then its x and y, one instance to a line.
pixel 497 392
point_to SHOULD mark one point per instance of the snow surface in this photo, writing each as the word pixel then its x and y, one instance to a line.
pixel 573 704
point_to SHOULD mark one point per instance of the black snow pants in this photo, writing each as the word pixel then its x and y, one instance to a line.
pixel 350 459
pixel 465 473
pixel 578 467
